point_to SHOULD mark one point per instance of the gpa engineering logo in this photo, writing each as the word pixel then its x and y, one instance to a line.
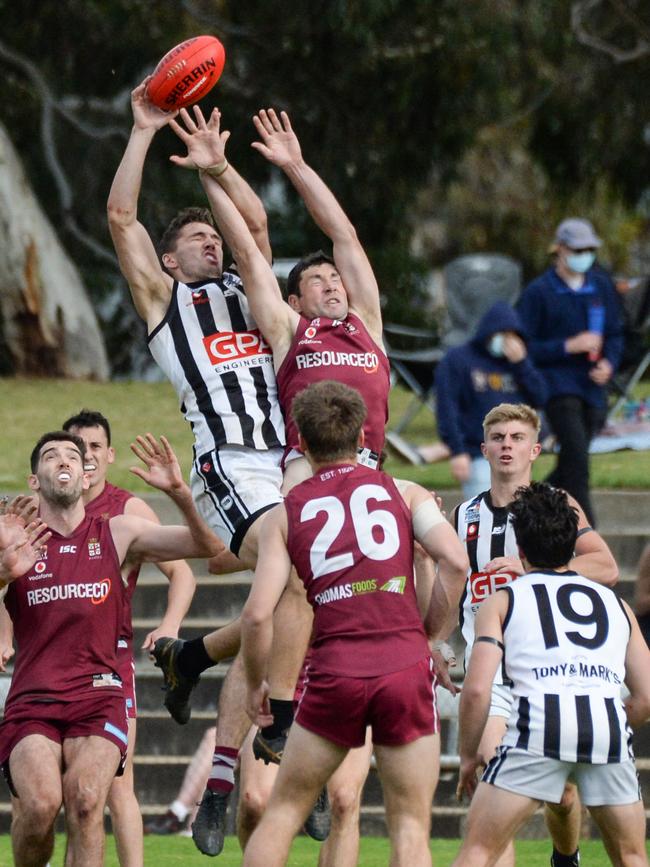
pixel 230 350
pixel 483 584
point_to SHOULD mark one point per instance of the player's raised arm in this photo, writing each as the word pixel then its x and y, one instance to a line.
pixel 206 150
pixel 139 539
pixel 280 146
pixel 204 145
pixel 150 286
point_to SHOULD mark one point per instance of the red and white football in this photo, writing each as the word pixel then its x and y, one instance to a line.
pixel 187 73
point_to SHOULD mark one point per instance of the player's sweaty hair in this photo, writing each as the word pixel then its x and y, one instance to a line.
pixel 293 280
pixel 89 418
pixel 55 436
pixel 545 525
pixel 187 215
pixel 330 416
pixel 511 412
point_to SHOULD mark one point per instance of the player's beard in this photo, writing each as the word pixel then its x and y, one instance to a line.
pixel 61 496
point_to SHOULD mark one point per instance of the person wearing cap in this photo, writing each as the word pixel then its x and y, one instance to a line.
pixel 572 316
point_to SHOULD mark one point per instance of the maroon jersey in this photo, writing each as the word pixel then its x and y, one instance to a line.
pixel 339 349
pixel 67 612
pixel 112 501
pixel 350 538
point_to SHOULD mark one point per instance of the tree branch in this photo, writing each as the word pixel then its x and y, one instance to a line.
pixel 579 11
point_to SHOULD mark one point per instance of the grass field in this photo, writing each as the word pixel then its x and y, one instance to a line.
pixel 28 407
pixel 177 851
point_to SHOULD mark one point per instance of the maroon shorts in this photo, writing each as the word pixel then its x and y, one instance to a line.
pixel 400 707
pixel 302 679
pixel 102 715
pixel 126 671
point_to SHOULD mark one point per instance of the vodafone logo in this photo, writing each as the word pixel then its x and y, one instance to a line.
pixel 483 584
pixel 230 346
pixel 40 567
pixel 310 332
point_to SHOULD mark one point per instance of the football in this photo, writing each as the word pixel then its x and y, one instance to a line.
pixel 187 73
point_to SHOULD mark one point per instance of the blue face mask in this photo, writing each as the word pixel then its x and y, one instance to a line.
pixel 580 262
pixel 495 345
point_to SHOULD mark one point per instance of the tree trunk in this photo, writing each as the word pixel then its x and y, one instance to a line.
pixel 48 325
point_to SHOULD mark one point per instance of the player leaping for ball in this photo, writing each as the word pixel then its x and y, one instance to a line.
pixel 331 328
pixel 204 338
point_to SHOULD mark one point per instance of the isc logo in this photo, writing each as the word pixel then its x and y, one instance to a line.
pixel 483 584
pixel 229 345
pixel 68 549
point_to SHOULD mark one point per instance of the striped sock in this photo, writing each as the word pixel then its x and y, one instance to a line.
pixel 222 775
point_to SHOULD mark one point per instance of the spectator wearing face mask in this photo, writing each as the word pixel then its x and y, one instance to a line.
pixel 572 316
pixel 491 368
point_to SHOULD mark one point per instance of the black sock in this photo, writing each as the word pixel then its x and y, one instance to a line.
pixel 193 658
pixel 560 860
pixel 282 711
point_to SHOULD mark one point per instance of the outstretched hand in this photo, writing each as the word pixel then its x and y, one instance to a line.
pixel 205 142
pixel 162 468
pixel 279 144
pixel 14 517
pixel 20 546
pixel 146 115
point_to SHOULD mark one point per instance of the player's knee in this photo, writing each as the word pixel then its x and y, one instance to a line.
pixel 344 803
pixel 567 803
pixel 121 798
pixel 252 804
pixel 83 803
pixel 38 811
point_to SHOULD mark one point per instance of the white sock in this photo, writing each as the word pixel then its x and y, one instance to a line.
pixel 179 810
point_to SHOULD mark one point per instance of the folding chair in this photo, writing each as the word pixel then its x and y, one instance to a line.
pixel 414 367
pixel 473 284
pixel 636 352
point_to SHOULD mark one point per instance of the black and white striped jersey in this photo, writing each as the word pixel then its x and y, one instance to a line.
pixel 566 638
pixel 486 532
pixel 220 365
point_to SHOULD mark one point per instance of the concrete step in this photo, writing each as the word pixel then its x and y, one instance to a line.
pixel 149 688
pixel 217 597
pixel 617 510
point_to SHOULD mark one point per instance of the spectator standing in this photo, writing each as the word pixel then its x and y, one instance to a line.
pixel 573 318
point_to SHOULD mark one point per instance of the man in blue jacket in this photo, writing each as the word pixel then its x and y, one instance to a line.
pixel 573 318
pixel 491 368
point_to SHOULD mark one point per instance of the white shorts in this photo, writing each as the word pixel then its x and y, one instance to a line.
pixel 519 771
pixel 233 486
pixel 501 701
